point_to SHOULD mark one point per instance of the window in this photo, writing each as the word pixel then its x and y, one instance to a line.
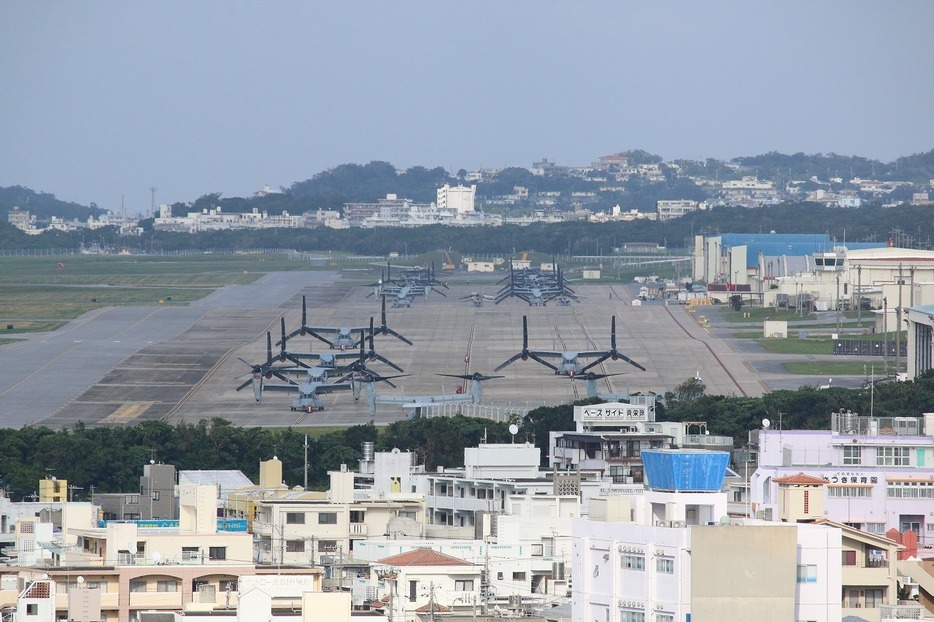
pixel 413 590
pixel 155 495
pixel 327 518
pixel 518 576
pixel 852 455
pixel 665 565
pixel 892 456
pixel 294 518
pixel 849 492
pixel 499 576
pixel 910 490
pixel 849 558
pixel 190 553
pixel 294 546
pixel 664 617
pixel 131 516
pixel 633 562
pixel 217 552
pixel 327 546
pixel 131 500
pixel 876 528
pixel 807 574
pixel 538 550
pixel 632 616
pixel 357 516
pixel 463 585
pixel 874 598
pixel 167 586
pixel 228 585
pixel 138 585
pixel 32 609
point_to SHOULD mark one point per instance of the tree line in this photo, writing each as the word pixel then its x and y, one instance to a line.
pixel 110 459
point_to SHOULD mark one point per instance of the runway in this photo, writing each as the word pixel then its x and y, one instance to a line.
pixel 119 366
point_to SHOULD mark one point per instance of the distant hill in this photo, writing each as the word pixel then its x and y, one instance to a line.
pixel 43 205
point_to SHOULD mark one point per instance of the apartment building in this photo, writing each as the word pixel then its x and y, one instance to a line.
pixel 132 568
pixel 296 526
pixel 673 554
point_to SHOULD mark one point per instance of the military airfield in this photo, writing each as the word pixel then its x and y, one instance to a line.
pixel 124 365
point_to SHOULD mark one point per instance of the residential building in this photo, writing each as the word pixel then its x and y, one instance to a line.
pixel 154 500
pixel 673 554
pixel 675 209
pixel 135 568
pixel 296 526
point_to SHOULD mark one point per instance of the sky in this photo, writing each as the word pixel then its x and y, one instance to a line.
pixel 102 100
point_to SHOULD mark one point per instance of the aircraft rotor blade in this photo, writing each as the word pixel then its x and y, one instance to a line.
pixel 596 362
pixel 508 361
pixel 398 336
pixel 383 359
pixel 539 359
pixel 246 383
pixel 525 333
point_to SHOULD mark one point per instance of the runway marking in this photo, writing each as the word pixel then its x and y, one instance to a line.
pixel 207 376
pixel 127 412
pixel 709 349
pixel 43 367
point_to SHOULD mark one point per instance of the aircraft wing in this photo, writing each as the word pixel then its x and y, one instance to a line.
pixel 280 387
pixel 592 353
pixel 330 388
pixel 548 353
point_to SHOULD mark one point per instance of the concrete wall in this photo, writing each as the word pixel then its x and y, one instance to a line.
pixel 748 569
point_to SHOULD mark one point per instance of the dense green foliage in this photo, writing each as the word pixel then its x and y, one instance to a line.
pixel 111 459
pixel 42 205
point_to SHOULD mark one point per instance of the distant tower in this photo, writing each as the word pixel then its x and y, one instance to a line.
pixel 152 208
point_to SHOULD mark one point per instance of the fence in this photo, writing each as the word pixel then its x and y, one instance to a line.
pixel 863 347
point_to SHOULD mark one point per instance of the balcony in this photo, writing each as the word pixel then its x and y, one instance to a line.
pixel 358 529
pixel 156 600
pixel 889 613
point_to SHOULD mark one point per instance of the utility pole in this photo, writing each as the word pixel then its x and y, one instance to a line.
pixel 485 581
pixel 898 323
pixel 885 334
pixel 859 300
pixel 306 460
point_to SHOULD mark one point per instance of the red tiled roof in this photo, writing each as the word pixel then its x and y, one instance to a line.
pixel 800 478
pixel 436 607
pixel 423 557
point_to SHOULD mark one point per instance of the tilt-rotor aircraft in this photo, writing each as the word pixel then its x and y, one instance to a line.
pixel 536 287
pixel 344 338
pixel 568 363
pixel 265 371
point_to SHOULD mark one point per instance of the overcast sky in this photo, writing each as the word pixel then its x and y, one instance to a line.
pixel 100 100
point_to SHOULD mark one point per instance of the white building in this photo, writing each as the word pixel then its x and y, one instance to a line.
pixel 459 199
pixel 675 209
pixel 673 554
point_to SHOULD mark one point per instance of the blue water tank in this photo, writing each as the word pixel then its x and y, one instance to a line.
pixel 685 469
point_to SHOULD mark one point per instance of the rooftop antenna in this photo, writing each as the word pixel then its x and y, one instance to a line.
pixel 152 189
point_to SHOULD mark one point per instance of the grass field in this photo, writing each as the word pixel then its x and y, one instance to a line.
pixel 36 290
pixel 797 346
